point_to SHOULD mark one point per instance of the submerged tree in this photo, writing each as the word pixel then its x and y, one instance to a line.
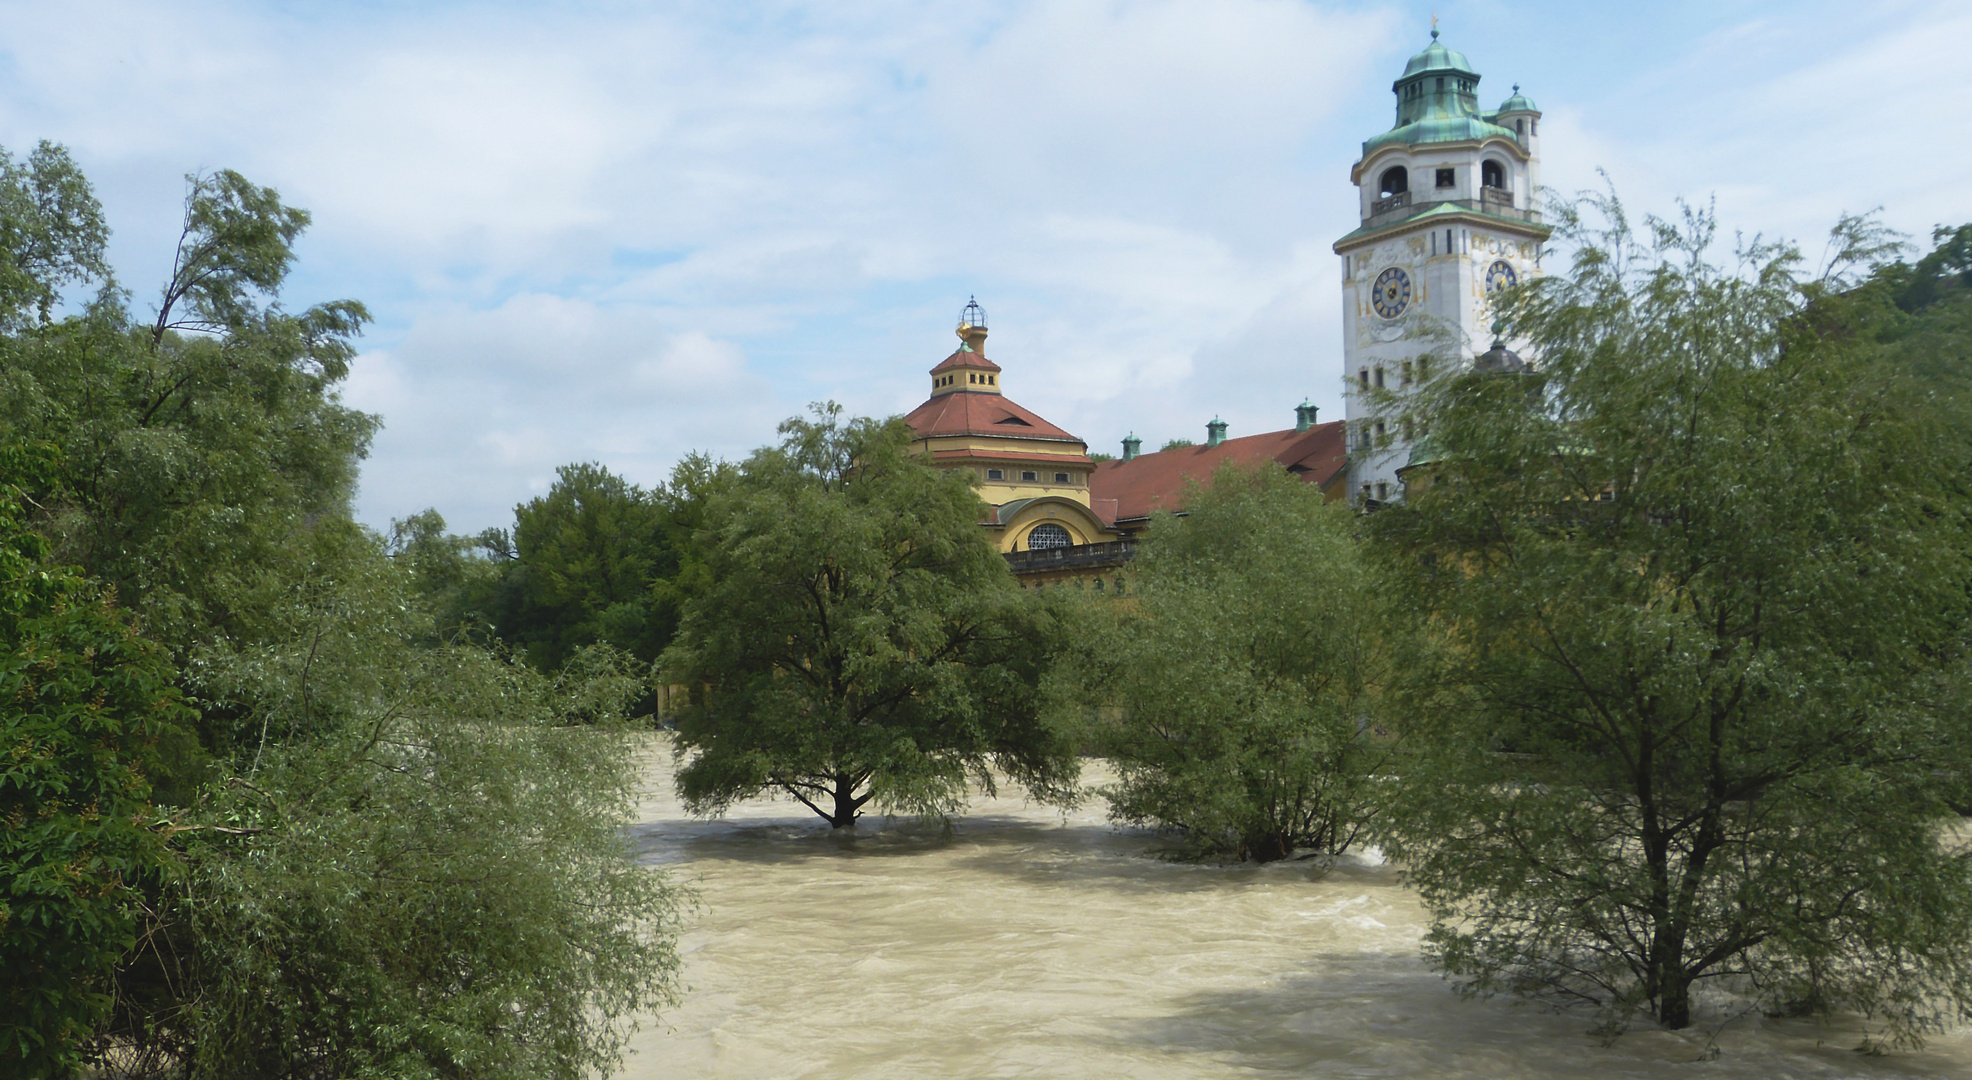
pixel 1238 676
pixel 1696 593
pixel 857 639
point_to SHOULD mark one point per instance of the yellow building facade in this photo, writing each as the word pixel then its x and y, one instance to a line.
pixel 1033 476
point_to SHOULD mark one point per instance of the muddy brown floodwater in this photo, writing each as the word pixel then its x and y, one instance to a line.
pixel 1027 943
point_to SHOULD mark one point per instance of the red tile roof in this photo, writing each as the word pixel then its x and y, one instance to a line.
pixel 965 358
pixel 964 412
pixel 990 454
pixel 1152 482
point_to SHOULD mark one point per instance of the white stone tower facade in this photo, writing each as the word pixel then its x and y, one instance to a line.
pixel 1450 202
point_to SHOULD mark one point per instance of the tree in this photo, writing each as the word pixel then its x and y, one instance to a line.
pixel 582 568
pixel 414 869
pixel 386 851
pixel 83 703
pixel 857 639
pixel 1696 601
pixel 1240 674
pixel 198 448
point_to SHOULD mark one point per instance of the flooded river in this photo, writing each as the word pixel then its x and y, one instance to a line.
pixel 1027 943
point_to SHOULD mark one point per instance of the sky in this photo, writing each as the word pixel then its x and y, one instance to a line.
pixel 623 232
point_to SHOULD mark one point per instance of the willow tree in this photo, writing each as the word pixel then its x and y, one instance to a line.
pixel 857 639
pixel 1237 678
pixel 1697 598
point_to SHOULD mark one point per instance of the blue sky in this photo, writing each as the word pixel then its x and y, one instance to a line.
pixel 621 232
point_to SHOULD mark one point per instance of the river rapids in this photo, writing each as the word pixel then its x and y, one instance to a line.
pixel 1024 942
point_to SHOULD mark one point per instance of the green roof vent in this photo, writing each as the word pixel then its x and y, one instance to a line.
pixel 1215 432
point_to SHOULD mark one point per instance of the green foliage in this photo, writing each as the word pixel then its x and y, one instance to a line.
pixel 857 638
pixel 1175 444
pixel 193 464
pixel 1696 595
pixel 51 229
pixel 1240 675
pixel 83 701
pixel 417 871
pixel 596 559
pixel 388 853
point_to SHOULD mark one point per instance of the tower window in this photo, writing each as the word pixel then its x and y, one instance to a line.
pixel 1028 476
pixel 1441 85
pixel 996 474
pixel 1395 181
pixel 1381 433
pixel 1362 378
pixel 1407 373
pixel 1520 126
pixel 1061 478
pixel 1047 536
pixel 1382 492
pixel 1379 378
pixel 1491 175
pixel 990 382
pixel 1447 177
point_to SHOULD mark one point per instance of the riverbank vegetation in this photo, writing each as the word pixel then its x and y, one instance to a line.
pixel 1233 693
pixel 265 814
pixel 1687 704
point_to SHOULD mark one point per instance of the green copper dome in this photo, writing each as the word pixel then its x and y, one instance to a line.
pixel 1519 102
pixel 1436 57
pixel 1437 101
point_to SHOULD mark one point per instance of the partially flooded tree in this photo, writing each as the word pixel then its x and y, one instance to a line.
pixel 1237 675
pixel 857 640
pixel 1697 593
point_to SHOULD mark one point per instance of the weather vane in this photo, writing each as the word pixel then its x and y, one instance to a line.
pixel 1434 25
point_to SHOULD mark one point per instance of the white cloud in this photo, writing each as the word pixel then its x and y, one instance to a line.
pixel 616 233
pixel 481 406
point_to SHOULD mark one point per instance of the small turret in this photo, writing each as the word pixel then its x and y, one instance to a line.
pixel 1132 446
pixel 1304 416
pixel 968 369
pixel 1215 432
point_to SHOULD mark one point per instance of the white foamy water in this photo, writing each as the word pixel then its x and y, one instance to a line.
pixel 1026 943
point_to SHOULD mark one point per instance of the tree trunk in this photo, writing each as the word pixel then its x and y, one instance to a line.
pixel 1674 997
pixel 846 803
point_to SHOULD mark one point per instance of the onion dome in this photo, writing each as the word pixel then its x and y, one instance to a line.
pixel 1437 101
pixel 1498 360
pixel 1519 102
pixel 1436 57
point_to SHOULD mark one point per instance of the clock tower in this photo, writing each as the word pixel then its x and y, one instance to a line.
pixel 1449 202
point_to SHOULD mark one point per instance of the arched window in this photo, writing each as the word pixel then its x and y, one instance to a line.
pixel 1395 181
pixel 1491 175
pixel 1048 535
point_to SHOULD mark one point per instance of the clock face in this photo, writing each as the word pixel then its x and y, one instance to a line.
pixel 1499 276
pixel 1391 294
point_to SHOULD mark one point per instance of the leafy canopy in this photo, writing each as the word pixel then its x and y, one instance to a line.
pixel 1695 596
pixel 857 639
pixel 1238 678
